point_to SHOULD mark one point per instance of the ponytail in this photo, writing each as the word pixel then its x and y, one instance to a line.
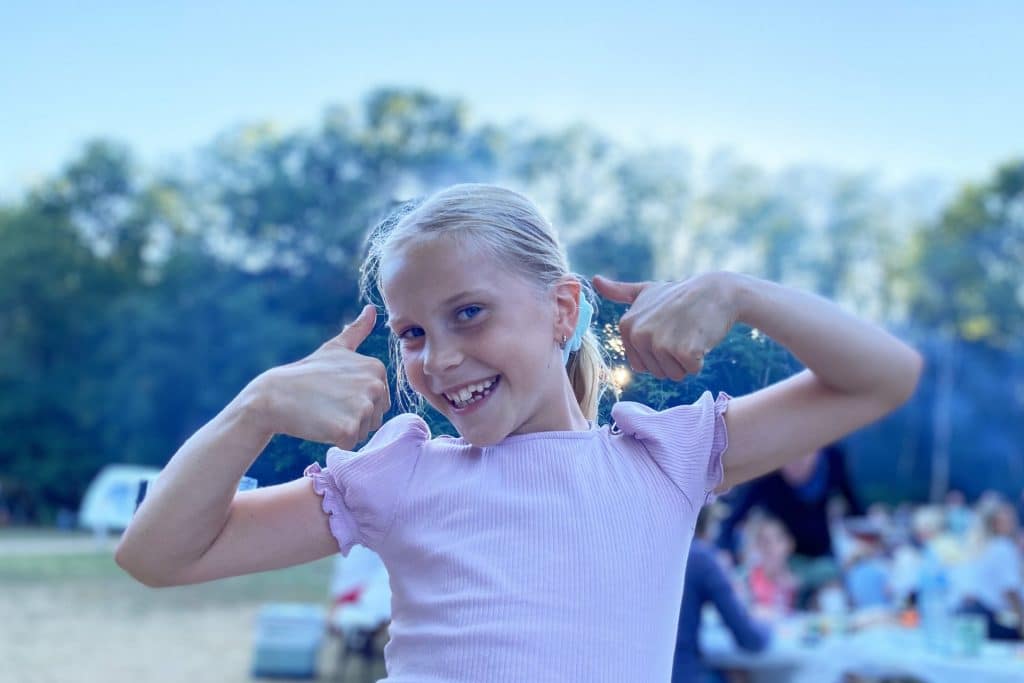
pixel 588 368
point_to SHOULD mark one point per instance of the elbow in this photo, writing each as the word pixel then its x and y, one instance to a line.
pixel 138 571
pixel 908 377
pixel 915 370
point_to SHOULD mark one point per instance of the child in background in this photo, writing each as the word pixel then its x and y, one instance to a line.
pixel 771 583
pixel 538 545
pixel 866 576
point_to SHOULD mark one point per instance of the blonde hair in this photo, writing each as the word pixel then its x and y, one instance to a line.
pixel 511 228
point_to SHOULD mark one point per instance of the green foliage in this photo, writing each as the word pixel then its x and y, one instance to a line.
pixel 967 266
pixel 134 307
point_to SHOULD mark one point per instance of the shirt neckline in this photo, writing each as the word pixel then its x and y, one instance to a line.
pixel 533 436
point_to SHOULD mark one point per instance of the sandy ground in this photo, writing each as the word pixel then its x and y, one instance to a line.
pixel 82 620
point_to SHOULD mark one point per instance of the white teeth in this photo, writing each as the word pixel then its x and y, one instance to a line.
pixel 465 396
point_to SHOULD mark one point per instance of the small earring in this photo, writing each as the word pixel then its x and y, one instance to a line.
pixel 562 345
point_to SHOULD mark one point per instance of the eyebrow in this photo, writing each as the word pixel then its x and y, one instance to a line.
pixel 395 322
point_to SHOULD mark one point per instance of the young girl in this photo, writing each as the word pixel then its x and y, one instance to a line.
pixel 772 585
pixel 537 546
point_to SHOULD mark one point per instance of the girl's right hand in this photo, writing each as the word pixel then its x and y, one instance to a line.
pixel 334 395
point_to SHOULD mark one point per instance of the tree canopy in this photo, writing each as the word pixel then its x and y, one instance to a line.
pixel 134 304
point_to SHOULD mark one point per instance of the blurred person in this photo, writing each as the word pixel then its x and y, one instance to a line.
pixel 360 607
pixel 866 572
pixel 360 591
pixel 771 583
pixel 997 577
pixel 799 495
pixel 903 520
pixel 883 518
pixel 708 583
pixel 929 544
pixel 959 518
pixel 1020 506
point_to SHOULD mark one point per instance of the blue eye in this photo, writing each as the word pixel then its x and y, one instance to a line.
pixel 475 310
pixel 405 333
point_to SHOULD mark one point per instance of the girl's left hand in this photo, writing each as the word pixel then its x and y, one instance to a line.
pixel 670 326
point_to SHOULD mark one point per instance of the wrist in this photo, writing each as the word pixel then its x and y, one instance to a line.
pixel 740 294
pixel 254 406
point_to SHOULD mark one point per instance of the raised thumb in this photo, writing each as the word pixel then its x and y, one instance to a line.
pixel 359 329
pixel 620 292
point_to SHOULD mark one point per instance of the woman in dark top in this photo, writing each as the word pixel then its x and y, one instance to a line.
pixel 707 582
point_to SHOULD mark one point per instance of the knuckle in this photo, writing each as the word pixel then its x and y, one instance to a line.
pixel 342 432
pixel 379 388
pixel 365 406
pixel 377 367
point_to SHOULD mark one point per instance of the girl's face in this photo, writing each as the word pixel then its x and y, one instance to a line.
pixel 773 544
pixel 465 322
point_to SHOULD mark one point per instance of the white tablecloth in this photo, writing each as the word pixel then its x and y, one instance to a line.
pixel 880 649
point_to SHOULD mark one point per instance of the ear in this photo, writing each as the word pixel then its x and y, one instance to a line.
pixel 566 294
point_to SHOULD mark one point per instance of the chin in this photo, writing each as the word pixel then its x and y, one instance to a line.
pixel 482 438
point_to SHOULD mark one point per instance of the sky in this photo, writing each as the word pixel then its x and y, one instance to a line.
pixel 901 89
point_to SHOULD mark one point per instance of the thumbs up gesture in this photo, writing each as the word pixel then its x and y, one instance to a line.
pixel 334 395
pixel 670 326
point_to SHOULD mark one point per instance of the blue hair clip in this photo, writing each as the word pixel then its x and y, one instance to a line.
pixel 574 344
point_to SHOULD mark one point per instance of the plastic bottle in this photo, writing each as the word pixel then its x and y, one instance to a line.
pixel 933 598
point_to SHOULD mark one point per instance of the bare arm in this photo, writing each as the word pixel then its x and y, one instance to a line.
pixel 192 527
pixel 189 507
pixel 856 372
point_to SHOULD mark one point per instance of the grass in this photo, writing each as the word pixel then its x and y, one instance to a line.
pixel 63 593
pixel 93 572
pixel 44 568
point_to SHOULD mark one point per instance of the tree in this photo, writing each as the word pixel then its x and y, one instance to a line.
pixel 969 286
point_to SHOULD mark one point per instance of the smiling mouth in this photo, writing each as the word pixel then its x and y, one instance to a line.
pixel 473 393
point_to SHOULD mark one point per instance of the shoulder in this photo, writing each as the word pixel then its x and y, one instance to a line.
pixel 645 422
pixel 403 431
pixel 686 441
pixel 361 489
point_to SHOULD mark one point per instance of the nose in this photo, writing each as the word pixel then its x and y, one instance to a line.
pixel 440 356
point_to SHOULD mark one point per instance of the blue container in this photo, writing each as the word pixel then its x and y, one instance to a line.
pixel 288 640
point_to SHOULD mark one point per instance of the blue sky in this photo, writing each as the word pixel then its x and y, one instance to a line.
pixel 903 89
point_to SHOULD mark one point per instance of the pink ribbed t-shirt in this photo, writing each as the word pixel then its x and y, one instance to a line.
pixel 552 556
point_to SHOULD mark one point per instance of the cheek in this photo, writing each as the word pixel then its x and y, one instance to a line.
pixel 414 371
pixel 416 379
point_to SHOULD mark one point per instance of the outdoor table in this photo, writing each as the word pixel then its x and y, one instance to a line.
pixel 792 658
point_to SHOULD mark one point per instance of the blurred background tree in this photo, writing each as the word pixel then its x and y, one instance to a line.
pixel 134 305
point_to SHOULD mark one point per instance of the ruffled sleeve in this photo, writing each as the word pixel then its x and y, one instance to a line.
pixel 361 490
pixel 686 442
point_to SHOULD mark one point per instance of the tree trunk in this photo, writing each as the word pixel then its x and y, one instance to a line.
pixel 942 419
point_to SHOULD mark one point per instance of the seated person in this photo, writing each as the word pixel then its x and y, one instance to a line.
pixel 706 582
pixel 772 585
pixel 361 598
pixel 997 575
pixel 866 576
pixel 799 495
